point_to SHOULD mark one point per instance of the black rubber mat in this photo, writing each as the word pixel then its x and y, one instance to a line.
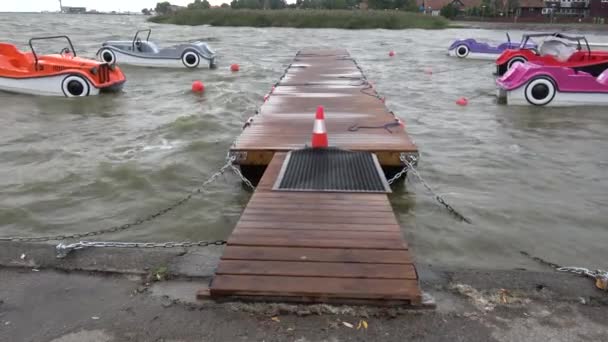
pixel 331 169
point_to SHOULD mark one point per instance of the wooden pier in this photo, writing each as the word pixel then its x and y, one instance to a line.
pixel 318 246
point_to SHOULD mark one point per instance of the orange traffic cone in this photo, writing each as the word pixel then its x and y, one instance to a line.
pixel 319 133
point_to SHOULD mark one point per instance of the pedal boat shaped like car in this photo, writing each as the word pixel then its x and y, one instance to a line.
pixel 556 50
pixel 541 85
pixel 145 53
pixel 473 49
pixel 62 74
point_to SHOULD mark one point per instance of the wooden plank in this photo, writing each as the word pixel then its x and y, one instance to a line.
pixel 313 269
pixel 349 213
pixel 289 206
pixel 243 224
pixel 321 196
pixel 238 240
pixel 318 254
pixel 287 198
pixel 287 217
pixel 316 234
pixel 315 287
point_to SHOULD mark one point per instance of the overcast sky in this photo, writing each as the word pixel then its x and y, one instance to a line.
pixel 100 5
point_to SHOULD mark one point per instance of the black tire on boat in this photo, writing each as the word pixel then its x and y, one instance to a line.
pixel 540 91
pixel 462 51
pixel 515 60
pixel 75 86
pixel 107 56
pixel 191 59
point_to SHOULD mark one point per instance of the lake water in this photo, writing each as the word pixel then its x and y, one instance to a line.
pixel 530 179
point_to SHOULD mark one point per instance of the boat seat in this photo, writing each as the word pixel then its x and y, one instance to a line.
pixel 557 49
pixel 603 78
pixel 15 58
pixel 148 47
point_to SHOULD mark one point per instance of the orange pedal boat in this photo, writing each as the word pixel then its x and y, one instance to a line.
pixel 62 74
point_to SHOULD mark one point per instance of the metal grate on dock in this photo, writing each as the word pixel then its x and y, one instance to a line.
pixel 331 169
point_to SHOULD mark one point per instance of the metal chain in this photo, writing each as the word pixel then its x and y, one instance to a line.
pixel 64 249
pixel 539 260
pixel 600 276
pixel 138 222
pixel 439 199
pixel 399 174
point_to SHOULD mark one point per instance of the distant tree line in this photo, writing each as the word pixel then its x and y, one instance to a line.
pixel 164 8
pixel 198 4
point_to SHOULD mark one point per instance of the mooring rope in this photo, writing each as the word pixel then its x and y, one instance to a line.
pixel 386 126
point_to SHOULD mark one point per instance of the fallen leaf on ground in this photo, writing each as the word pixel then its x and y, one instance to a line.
pixel 276 319
pixel 348 325
pixel 362 324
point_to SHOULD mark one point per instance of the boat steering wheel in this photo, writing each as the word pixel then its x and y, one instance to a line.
pixel 138 44
pixel 65 52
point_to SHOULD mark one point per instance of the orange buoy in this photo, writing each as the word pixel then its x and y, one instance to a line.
pixel 235 67
pixel 198 87
pixel 462 101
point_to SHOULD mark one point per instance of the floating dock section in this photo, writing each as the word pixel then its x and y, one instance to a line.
pixel 309 233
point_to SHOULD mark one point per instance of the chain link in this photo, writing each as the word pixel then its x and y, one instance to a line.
pixel 540 261
pixel 399 174
pixel 409 166
pixel 600 276
pixel 243 178
pixel 64 249
pixel 137 222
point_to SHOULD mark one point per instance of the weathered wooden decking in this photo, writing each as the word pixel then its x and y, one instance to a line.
pixel 318 246
pixel 331 79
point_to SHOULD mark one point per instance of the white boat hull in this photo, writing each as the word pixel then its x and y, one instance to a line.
pixel 475 55
pixel 128 59
pixel 44 86
pixel 516 97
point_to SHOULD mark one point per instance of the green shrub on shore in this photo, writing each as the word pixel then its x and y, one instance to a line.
pixel 345 19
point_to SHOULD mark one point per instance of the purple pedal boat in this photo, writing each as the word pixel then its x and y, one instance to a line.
pixel 542 85
pixel 473 49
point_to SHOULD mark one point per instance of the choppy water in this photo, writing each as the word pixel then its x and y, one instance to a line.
pixel 530 179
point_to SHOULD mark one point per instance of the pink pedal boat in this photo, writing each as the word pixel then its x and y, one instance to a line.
pixel 542 85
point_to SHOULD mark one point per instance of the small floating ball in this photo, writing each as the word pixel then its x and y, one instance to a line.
pixel 391 53
pixel 428 71
pixel 198 87
pixel 235 68
pixel 462 101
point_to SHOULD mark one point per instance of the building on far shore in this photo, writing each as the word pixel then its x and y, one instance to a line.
pixel 598 8
pixel 530 9
pixel 433 7
pixel 73 10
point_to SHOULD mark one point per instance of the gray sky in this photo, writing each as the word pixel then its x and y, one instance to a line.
pixel 100 5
